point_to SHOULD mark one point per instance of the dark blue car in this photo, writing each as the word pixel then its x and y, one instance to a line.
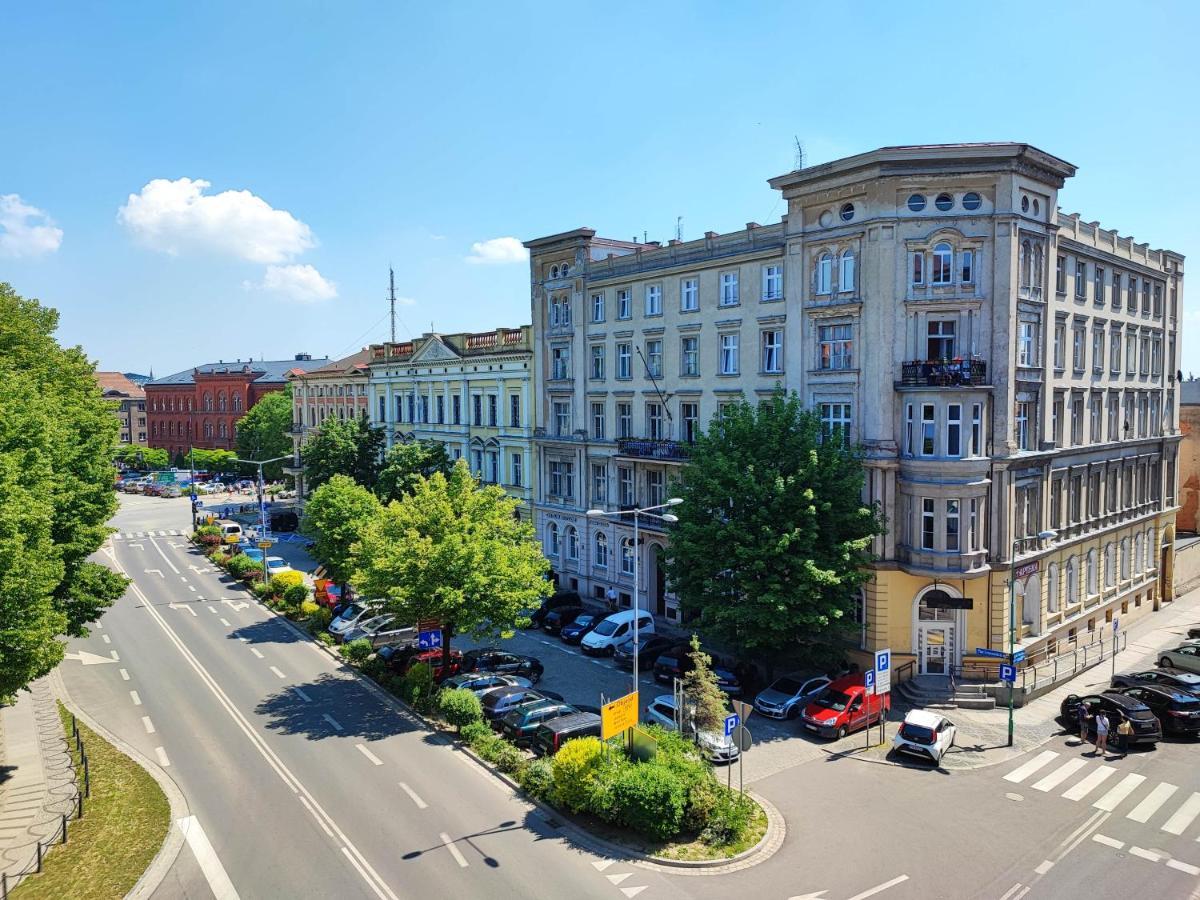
pixel 573 632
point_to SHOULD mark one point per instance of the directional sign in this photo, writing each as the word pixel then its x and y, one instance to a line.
pixel 429 640
pixel 618 716
pixel 994 654
pixel 732 722
pixel 869 680
pixel 1018 656
pixel 883 671
pixel 1008 673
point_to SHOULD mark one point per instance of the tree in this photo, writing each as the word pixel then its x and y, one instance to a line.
pixel 264 431
pixel 773 540
pixel 133 456
pixel 343 447
pixel 453 552
pixel 406 464
pixel 215 462
pixel 58 438
pixel 706 702
pixel 334 517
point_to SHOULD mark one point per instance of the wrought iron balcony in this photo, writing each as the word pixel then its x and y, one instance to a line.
pixel 646 448
pixel 943 373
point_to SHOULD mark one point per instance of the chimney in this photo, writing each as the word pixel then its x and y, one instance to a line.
pixel 303 356
pixel 710 235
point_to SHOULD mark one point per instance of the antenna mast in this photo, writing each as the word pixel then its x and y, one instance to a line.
pixel 799 153
pixel 392 300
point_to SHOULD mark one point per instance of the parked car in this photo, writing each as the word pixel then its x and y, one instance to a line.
pixel 284 520
pixel 482 682
pixel 356 612
pixel 649 647
pixel 231 532
pixel 555 619
pixel 1176 678
pixel 844 707
pixel 574 632
pixel 277 564
pixel 1146 729
pixel 787 697
pixel 555 601
pixel 400 658
pixel 389 634
pixel 1193 633
pixel 519 724
pixel 551 735
pixel 501 701
pixel 925 735
pixel 712 744
pixel 1177 711
pixel 1185 656
pixel 369 627
pixel 676 661
pixel 253 552
pixel 614 629
pixel 492 659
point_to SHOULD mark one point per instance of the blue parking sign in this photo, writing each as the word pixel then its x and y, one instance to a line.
pixel 731 723
pixel 1008 673
pixel 869 681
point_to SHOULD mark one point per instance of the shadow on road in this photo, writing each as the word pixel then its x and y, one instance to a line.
pixel 270 631
pixel 359 713
pixel 467 841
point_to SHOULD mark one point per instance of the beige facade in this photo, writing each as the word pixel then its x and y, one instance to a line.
pixel 129 404
pixel 985 348
pixel 334 391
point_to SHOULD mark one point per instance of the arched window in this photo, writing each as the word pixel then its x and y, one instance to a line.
pixel 554 271
pixel 1052 588
pixel 627 556
pixel 1151 549
pixel 1110 566
pixel 1072 582
pixel 1124 558
pixel 1026 264
pixel 572 543
pixel 823 275
pixel 846 272
pixel 552 537
pixel 1138 560
pixel 1093 577
pixel 1037 265
pixel 600 557
pixel 221 401
pixel 564 270
pixel 943 264
pixel 237 402
pixel 207 402
pixel 1031 606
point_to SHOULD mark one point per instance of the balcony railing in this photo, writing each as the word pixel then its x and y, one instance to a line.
pixel 297 428
pixel 646 448
pixel 652 521
pixel 943 373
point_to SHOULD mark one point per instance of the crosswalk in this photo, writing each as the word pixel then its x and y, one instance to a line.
pixel 1161 798
pixel 134 535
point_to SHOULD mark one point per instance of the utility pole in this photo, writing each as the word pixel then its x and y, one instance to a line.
pixel 392 300
pixel 192 469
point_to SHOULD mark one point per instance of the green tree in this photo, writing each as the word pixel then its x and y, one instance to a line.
pixel 58 438
pixel 452 551
pixel 264 432
pixel 136 457
pixel 334 517
pixel 406 464
pixel 215 462
pixel 706 702
pixel 343 447
pixel 773 541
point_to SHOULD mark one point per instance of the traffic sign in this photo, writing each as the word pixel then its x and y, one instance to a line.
pixel 1018 656
pixel 1116 622
pixel 742 738
pixel 883 671
pixel 429 640
pixel 994 654
pixel 869 680
pixel 732 722
pixel 742 708
pixel 1008 673
pixel 264 545
pixel 618 716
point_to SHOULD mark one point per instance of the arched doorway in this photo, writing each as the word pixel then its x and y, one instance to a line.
pixel 658 580
pixel 1166 567
pixel 937 630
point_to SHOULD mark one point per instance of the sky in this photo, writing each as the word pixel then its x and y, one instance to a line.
pixel 188 182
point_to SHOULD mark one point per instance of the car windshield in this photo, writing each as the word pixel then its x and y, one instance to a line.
pixel 918 734
pixel 786 686
pixel 835 700
pixel 605 628
pixel 584 620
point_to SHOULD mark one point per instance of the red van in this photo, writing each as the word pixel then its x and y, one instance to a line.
pixel 844 707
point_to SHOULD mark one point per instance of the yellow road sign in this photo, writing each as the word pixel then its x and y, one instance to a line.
pixel 264 545
pixel 618 716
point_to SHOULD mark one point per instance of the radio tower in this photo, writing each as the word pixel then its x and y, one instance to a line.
pixel 392 300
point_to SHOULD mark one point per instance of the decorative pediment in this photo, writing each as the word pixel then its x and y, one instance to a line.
pixel 434 349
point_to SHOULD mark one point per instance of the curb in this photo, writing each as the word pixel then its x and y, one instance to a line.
pixel 173 843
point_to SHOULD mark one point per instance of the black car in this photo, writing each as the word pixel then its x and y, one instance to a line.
pixel 573 632
pixel 285 520
pixel 555 619
pixel 519 725
pixel 551 735
pixel 491 659
pixel 1178 711
pixel 502 701
pixel 556 601
pixel 676 662
pixel 1117 706
pixel 1172 678
pixel 649 648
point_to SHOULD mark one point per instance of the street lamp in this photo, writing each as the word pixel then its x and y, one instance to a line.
pixel 1046 535
pixel 262 506
pixel 670 519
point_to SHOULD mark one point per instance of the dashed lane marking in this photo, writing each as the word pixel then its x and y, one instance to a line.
pixel 412 795
pixel 106 638
pixel 454 851
pixel 225 622
pixel 880 888
pixel 1183 867
pixel 362 748
pixel 336 726
pixel 137 700
pixel 113 654
pixel 124 675
pixel 299 692
pixel 278 674
pixel 1144 854
pixel 162 757
pixel 256 652
pixel 1107 841
pixel 148 725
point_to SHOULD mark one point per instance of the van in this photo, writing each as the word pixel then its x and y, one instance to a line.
pixel 844 707
pixel 231 532
pixel 551 735
pixel 616 629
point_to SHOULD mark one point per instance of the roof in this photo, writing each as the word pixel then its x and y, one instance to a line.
pixel 118 383
pixel 264 371
pixel 347 365
pixel 922 718
pixel 1189 392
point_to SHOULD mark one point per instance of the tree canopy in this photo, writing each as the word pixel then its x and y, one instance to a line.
pixel 406 464
pixel 334 516
pixel 264 431
pixel 343 447
pixel 773 540
pixel 215 462
pixel 134 456
pixel 58 437
pixel 452 551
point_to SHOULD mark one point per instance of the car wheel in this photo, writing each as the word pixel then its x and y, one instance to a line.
pixel 535 677
pixel 1164 662
pixel 793 712
pixel 841 732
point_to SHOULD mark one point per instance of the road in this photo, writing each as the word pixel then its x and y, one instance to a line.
pixel 304 783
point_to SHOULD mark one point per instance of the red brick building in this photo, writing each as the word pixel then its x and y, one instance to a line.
pixel 200 407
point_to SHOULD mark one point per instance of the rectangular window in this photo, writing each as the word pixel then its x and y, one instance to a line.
pixel 599 484
pixel 966 266
pixel 1056 419
pixel 1060 344
pixel 1075 499
pixel 1144 344
pixel 689 356
pixel 654 421
pixel 928 523
pixel 625 485
pixel 1026 343
pixel 624 420
pixel 514 410
pixel 952 525
pixel 928 430
pixel 562 417
pixel 624 360
pixel 382 408
pixel 772 283
pixel 1158 300
pixel 940 339
pixel 1116 290
pixel 689 414
pixel 597 362
pixel 1131 354
pixel 973 535
pixel 597 307
pixel 1076 420
pixel 1114 350
pixel 493 410
pixel 517 467
pixel 977 448
pixel 656 487
pixel 908 429
pixel 835 421
pixel 560 356
pixel 493 459
pixel 1078 348
pixel 624 305
pixel 689 294
pixel 1156 356
pixel 1145 297
pixel 917 269
pixel 1114 415
pixel 1098 286
pixel 729 354
pixel 654 300
pixel 654 357
pixel 942 271
pixel 412 408
pixel 772 351
pixel 562 479
pixel 440 406
pixel 598 421
pixel 1095 420
pixel 1060 274
pixel 1097 350
pixel 1132 296
pixel 954 429
pixel 1023 436
pixel 836 346
pixel 729 288
pixel 1080 278
pixel 456 408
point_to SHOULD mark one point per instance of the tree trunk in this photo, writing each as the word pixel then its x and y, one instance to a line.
pixel 447 634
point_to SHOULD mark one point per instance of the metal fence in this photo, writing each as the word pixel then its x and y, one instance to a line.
pixel 1065 665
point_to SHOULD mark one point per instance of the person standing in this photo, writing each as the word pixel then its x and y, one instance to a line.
pixel 1101 733
pixel 1124 732
pixel 1082 713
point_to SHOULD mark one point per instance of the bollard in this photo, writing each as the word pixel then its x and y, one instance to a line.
pixel 39 856
pixel 4 885
pixel 64 840
pixel 79 797
pixel 74 725
pixel 87 780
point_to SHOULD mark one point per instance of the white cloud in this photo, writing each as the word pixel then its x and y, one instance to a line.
pixel 498 251
pixel 406 301
pixel 298 282
pixel 25 230
pixel 178 217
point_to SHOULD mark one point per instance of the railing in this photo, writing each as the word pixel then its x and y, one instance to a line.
pixel 943 373
pixel 646 448
pixel 905 672
pixel 297 428
pixel 1066 665
pixel 651 521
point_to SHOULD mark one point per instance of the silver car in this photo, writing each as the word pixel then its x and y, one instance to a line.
pixel 1185 656
pixel 787 696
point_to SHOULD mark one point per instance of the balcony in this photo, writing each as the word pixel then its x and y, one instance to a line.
pixel 646 448
pixel 943 373
pixel 940 563
pixel 297 428
pixel 647 522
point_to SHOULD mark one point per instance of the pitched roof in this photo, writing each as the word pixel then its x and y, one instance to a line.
pixel 116 382
pixel 345 365
pixel 271 371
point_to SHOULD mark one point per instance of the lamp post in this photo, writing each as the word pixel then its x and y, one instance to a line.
pixel 192 472
pixel 262 506
pixel 1012 619
pixel 637 603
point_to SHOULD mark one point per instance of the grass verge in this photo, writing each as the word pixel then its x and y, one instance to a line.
pixel 124 823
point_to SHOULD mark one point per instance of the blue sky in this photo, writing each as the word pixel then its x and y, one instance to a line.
pixel 336 138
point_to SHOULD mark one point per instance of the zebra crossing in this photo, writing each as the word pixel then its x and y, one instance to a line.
pixel 1161 798
pixel 134 535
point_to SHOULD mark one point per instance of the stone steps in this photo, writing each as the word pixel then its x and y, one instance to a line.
pixel 934 695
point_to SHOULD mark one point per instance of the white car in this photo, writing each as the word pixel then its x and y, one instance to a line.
pixel 926 735
pixel 368 627
pixel 358 612
pixel 277 564
pixel 717 747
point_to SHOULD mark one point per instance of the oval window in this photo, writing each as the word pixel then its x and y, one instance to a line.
pixel 944 202
pixel 972 201
pixel 847 212
pixel 916 202
pixel 1024 204
pixel 1037 207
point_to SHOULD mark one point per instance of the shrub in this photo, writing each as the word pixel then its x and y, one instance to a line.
pixel 508 758
pixel 460 707
pixel 729 818
pixel 574 768
pixel 297 596
pixel 650 799
pixel 258 588
pixel 601 799
pixel 474 731
pixel 325 638
pixel 703 798
pixel 417 687
pixel 207 536
pixel 308 608
pixel 374 667
pixel 357 650
pixel 537 778
pixel 285 580
pixel 241 565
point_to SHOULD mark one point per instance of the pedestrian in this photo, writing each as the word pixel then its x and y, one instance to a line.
pixel 1082 713
pixel 1101 733
pixel 611 596
pixel 1124 732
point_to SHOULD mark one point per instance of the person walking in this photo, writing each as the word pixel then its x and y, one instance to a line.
pixel 1101 733
pixel 1082 713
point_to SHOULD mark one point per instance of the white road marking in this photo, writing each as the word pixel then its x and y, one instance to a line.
pixel 879 888
pixel 454 851
pixel 1059 775
pixel 117 536
pixel 633 891
pixel 1124 788
pixel 1082 828
pixel 148 725
pixel 256 652
pixel 320 822
pixel 354 862
pixel 364 751
pixel 166 558
pixel 162 757
pixel 333 723
pixel 1149 806
pixel 617 879
pixel 277 672
pixel 1107 841
pixel 88 659
pixel 412 795
pixel 106 638
pixel 124 675
pixel 601 864
pixel 1144 854
pixel 299 692
pixel 1183 816
pixel 138 546
pixel 1183 867
pixel 99 626
pixel 1089 784
pixel 183 578
pixel 192 587
pixel 206 856
pixel 225 622
pixel 157 572
pixel 141 534
pixel 1043 867
pixel 1012 890
pixel 1018 775
pixel 113 654
pixel 211 609
pixel 133 695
